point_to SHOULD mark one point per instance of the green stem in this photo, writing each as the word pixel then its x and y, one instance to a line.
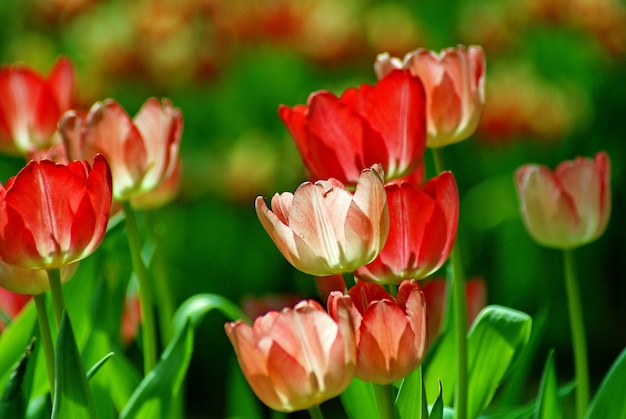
pixel 384 400
pixel 58 301
pixel 145 292
pixel 163 290
pixel 316 412
pixel 578 334
pixel 46 337
pixel 460 314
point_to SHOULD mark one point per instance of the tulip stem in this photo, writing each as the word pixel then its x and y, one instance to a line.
pixel 460 313
pixel 316 412
pixel 384 400
pixel 145 292
pixel 578 334
pixel 46 337
pixel 164 295
pixel 58 302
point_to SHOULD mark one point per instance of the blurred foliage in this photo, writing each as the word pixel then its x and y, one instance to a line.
pixel 556 80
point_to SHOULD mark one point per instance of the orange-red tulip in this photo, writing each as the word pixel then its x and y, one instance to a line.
pixel 454 81
pixel 324 229
pixel 52 215
pixel 296 358
pixel 31 105
pixel 423 225
pixel 339 137
pixel 569 207
pixel 391 333
pixel 30 281
pixel 142 152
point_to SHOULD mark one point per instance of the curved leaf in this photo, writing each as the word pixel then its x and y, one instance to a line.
pixel 609 401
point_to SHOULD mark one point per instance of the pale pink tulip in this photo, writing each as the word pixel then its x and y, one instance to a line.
pixel 296 358
pixel 454 81
pixel 324 229
pixel 569 207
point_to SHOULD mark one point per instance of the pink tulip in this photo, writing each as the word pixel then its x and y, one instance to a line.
pixel 142 152
pixel 454 81
pixel 422 231
pixel 324 229
pixel 30 105
pixel 391 334
pixel 296 358
pixel 569 207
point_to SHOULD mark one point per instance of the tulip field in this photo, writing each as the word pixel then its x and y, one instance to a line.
pixel 288 209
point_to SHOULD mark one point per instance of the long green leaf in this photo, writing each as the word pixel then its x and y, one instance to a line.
pixel 14 339
pixel 441 367
pixel 13 401
pixel 197 306
pixel 410 400
pixel 436 412
pixel 358 400
pixel 548 406
pixel 153 397
pixel 72 396
pixel 610 400
pixel 495 340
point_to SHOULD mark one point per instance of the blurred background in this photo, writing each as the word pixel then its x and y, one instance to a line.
pixel 556 89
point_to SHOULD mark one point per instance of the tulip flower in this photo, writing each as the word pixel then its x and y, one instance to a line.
pixel 436 291
pixel 324 229
pixel 142 152
pixel 454 81
pixel 31 105
pixel 384 123
pixel 569 207
pixel 296 358
pixel 422 231
pixel 52 215
pixel 30 281
pixel 391 333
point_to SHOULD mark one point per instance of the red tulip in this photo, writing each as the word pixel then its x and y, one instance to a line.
pixel 296 358
pixel 569 207
pixel 454 81
pixel 422 230
pixel 391 334
pixel 30 105
pixel 52 215
pixel 436 290
pixel 324 229
pixel 339 137
pixel 142 152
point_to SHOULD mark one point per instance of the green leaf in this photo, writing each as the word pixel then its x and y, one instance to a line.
pixel 153 397
pixel 609 401
pixel 495 340
pixel 197 306
pixel 14 339
pixel 410 399
pixel 359 400
pixel 436 412
pixel 548 406
pixel 441 368
pixel 13 401
pixel 93 370
pixel 72 396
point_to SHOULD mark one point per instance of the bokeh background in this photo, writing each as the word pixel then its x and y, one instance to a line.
pixel 556 89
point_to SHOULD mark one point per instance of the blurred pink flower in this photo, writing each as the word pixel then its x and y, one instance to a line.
pixel 568 207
